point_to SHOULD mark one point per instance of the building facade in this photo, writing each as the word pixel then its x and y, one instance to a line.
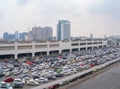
pixel 48 47
pixel 63 30
pixel 40 33
pixel 5 36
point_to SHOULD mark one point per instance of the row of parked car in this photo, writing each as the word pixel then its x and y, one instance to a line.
pixel 32 72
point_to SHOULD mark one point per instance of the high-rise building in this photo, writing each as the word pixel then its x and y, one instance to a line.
pixel 91 36
pixel 5 36
pixel 36 33
pixel 11 37
pixel 22 36
pixel 48 33
pixel 40 33
pixel 63 30
pixel 16 35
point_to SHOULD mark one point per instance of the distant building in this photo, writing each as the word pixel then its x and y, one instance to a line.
pixel 113 41
pixel 11 37
pixel 63 30
pixel 79 38
pixel 48 33
pixel 91 36
pixel 16 36
pixel 22 36
pixel 40 33
pixel 5 36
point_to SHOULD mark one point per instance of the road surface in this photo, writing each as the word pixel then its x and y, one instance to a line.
pixel 109 79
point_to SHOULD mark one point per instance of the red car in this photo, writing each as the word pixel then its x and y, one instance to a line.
pixel 92 65
pixel 54 86
pixel 8 80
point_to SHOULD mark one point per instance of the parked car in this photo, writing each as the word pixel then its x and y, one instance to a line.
pixel 32 82
pixel 17 85
pixel 8 80
pixel 51 77
pixel 59 75
pixel 54 86
pixel 7 72
pixel 4 85
pixel 1 74
pixel 41 79
pixel 19 80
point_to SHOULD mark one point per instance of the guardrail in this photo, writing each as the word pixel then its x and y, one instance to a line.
pixel 80 74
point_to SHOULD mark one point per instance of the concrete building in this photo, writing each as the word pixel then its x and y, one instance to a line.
pixel 91 36
pixel 48 33
pixel 5 36
pixel 22 36
pixel 113 41
pixel 40 33
pixel 11 37
pixel 63 30
pixel 16 36
pixel 17 49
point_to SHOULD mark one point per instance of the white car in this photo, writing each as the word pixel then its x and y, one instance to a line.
pixel 10 66
pixel 41 79
pixel 34 69
pixel 4 85
pixel 66 72
pixel 25 70
pixel 7 72
pixel 19 80
pixel 32 82
pixel 40 67
pixel 16 71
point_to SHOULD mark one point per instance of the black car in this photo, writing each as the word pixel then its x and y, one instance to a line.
pixel 59 75
pixel 35 76
pixel 51 77
pixel 1 74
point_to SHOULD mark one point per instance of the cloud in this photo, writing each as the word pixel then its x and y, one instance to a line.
pixel 107 7
pixel 87 16
pixel 22 2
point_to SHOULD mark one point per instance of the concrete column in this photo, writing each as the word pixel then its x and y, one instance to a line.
pixel 48 48
pixel 47 52
pixel 78 49
pixel 33 54
pixel 70 50
pixel 16 50
pixel 60 51
pixel 33 48
pixel 16 56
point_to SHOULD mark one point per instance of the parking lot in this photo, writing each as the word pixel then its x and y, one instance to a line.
pixel 27 74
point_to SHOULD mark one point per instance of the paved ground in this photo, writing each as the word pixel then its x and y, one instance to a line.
pixel 106 80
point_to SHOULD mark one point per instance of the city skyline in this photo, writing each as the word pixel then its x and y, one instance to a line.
pixel 98 17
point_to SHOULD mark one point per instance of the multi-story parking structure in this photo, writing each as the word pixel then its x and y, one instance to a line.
pixel 17 49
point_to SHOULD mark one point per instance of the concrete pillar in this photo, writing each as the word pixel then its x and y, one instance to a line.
pixel 47 52
pixel 33 48
pixel 78 49
pixel 16 49
pixel 92 47
pixel 60 51
pixel 33 54
pixel 16 56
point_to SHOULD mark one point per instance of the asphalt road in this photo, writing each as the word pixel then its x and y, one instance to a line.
pixel 109 79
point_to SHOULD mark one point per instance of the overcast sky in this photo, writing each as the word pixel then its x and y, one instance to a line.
pixel 99 17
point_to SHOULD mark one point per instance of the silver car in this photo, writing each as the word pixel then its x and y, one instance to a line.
pixel 4 85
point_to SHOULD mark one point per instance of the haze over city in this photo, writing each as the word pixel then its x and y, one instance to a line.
pixel 99 17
